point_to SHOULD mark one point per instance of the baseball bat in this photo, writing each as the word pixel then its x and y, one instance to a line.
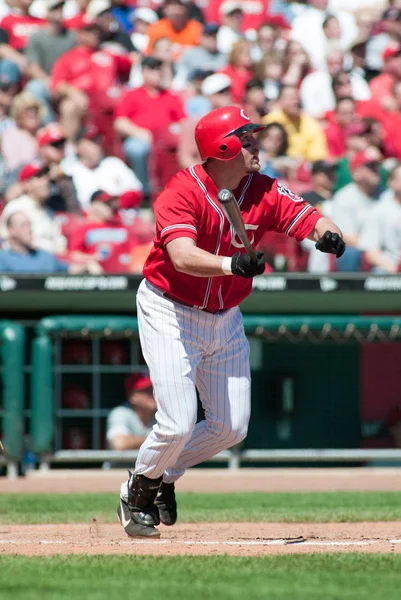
pixel 233 214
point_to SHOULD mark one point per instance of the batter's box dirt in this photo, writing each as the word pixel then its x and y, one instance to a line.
pixel 237 539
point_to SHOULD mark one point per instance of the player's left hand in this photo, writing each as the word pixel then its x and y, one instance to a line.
pixel 331 243
pixel 244 266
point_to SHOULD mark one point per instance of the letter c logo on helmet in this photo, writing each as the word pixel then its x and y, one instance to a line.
pixel 216 134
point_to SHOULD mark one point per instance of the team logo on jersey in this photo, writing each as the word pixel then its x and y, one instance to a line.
pixel 235 240
pixel 244 115
pixel 286 192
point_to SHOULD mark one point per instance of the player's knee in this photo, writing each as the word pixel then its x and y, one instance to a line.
pixel 237 434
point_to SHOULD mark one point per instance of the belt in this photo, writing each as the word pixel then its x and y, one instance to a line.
pixel 169 297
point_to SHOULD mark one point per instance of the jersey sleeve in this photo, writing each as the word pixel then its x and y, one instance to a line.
pixel 176 216
pixel 293 215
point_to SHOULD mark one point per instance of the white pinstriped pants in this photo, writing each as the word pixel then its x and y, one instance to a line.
pixel 187 348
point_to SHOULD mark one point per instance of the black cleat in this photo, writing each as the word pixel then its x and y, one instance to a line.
pixel 139 515
pixel 138 524
pixel 166 503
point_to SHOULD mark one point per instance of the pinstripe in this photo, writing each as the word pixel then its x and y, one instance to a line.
pixel 184 348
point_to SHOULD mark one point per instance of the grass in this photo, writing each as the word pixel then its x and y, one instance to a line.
pixel 297 577
pixel 273 507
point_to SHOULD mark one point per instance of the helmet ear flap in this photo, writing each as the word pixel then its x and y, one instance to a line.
pixel 229 148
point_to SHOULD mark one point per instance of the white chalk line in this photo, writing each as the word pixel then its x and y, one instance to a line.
pixel 278 542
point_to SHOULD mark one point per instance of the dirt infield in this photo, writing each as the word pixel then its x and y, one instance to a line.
pixel 215 480
pixel 237 539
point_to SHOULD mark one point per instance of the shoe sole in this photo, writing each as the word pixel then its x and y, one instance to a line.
pixel 133 529
pixel 165 518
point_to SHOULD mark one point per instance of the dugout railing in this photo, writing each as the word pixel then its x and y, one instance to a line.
pixel 287 339
pixel 12 397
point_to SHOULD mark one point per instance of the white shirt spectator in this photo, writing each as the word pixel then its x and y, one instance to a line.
pixel 351 208
pixel 318 97
pixel 112 176
pixel 123 420
pixel 382 229
pixel 46 233
pixel 307 29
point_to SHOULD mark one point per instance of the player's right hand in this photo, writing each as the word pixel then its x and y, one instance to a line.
pixel 244 266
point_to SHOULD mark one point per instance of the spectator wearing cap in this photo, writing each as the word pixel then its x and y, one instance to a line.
pixel 380 237
pixel 205 56
pixel 336 131
pixel 320 89
pixel 103 236
pixel 352 205
pixel 176 25
pixel 320 194
pixel 15 31
pixel 307 29
pixel 87 77
pixel 91 170
pixel 230 32
pixel 113 38
pixel 382 85
pixel 239 69
pixel 135 118
pixel 323 175
pixel 19 145
pixel 386 32
pixel 43 49
pixel 216 89
pixel 305 136
pixel 129 424
pixel 143 18
pixel 35 183
pixel 51 141
pixel 21 256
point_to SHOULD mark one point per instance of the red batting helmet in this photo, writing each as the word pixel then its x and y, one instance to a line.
pixel 216 134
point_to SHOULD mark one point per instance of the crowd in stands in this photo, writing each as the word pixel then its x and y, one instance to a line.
pixel 99 100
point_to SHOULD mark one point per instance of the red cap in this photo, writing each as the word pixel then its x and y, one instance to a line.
pixel 278 20
pixel 391 51
pixel 50 134
pixel 131 199
pixel 33 169
pixel 137 382
pixel 360 159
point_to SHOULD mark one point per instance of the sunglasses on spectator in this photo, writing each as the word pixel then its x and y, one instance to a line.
pixel 58 144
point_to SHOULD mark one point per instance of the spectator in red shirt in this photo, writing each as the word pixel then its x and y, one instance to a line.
pixel 336 131
pixel 239 69
pixel 104 236
pixel 382 85
pixel 15 30
pixel 141 113
pixel 86 77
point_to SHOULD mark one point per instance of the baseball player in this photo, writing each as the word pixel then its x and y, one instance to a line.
pixel 190 326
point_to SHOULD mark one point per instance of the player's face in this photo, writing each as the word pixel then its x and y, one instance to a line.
pixel 250 152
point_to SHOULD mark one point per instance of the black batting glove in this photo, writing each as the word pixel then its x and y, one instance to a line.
pixel 244 266
pixel 331 243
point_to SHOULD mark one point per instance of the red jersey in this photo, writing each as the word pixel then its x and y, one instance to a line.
pixel 140 107
pixel 109 243
pixel 18 29
pixel 91 71
pixel 188 207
